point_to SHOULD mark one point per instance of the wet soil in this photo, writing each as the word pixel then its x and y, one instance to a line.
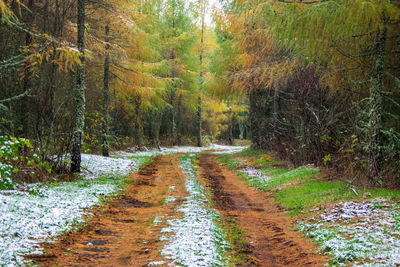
pixel 271 242
pixel 122 232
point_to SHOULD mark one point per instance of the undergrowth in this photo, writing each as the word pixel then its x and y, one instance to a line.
pixel 19 162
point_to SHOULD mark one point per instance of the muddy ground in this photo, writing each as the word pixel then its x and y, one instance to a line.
pixel 123 233
pixel 271 242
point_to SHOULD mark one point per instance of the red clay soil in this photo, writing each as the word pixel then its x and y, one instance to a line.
pixel 122 233
pixel 268 230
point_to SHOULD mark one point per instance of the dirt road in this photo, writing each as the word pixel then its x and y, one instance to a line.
pixel 271 242
pixel 124 232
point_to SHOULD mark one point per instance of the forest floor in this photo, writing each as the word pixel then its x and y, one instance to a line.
pixel 232 207
pixel 184 210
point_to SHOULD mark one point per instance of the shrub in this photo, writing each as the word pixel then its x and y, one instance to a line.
pixel 19 160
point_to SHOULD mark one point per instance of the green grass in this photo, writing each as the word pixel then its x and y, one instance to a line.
pixel 274 171
pixel 249 153
pixel 227 160
pixel 383 193
pixel 301 190
pixel 312 194
pixel 296 189
pixel 280 177
pixel 298 175
pixel 236 238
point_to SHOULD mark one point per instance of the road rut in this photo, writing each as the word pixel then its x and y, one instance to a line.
pixel 271 242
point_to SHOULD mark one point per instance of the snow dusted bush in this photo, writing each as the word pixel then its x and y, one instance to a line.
pixel 5 176
pixel 19 162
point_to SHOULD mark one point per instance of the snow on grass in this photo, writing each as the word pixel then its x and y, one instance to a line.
pixel 94 165
pixel 195 239
pixel 169 199
pixel 182 149
pixel 28 218
pixel 157 220
pixel 226 149
pixel 156 263
pixel 269 178
pixel 254 176
pixel 360 233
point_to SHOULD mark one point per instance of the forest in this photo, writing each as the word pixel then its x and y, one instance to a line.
pixel 108 91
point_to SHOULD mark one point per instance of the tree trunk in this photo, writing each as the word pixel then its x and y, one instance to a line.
pixel 230 127
pixel 157 126
pixel 138 134
pixel 179 120
pixel 106 97
pixel 199 101
pixel 173 124
pixel 27 82
pixel 199 121
pixel 52 97
pixel 255 122
pixel 241 130
pixel 79 97
pixel 138 103
pixel 375 122
pixel 172 103
pixel 52 81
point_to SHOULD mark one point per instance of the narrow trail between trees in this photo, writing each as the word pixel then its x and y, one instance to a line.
pixel 129 230
pixel 271 242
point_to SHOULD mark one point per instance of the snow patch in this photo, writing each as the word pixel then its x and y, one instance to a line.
pixel 347 210
pixel 363 233
pixel 94 166
pixel 156 263
pixel 157 220
pixel 196 240
pixel 169 199
pixel 219 149
pixel 253 173
pixel 31 217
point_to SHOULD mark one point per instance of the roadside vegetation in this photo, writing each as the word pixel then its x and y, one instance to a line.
pixel 313 82
pixel 37 212
pixel 356 226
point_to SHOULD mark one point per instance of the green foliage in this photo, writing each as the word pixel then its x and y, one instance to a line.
pixel 326 159
pixel 11 150
pixel 18 157
pixel 303 64
pixel 5 175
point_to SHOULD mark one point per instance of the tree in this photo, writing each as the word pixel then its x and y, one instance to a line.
pixel 203 5
pixel 79 96
pixel 340 49
pixel 106 97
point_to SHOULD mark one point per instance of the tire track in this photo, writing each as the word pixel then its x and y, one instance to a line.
pixel 271 242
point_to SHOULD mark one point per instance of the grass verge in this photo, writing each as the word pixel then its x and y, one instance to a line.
pixel 298 189
pixel 353 226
